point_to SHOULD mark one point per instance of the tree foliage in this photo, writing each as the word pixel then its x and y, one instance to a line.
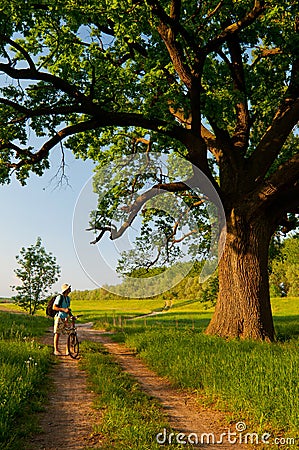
pixel 119 77
pixel 215 82
pixel 85 69
pixel 284 278
pixel 38 271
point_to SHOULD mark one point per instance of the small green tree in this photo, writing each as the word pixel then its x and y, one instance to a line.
pixel 284 277
pixel 38 271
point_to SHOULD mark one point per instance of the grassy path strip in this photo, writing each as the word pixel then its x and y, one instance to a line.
pixel 68 419
pixel 23 370
pixel 258 382
pixel 183 413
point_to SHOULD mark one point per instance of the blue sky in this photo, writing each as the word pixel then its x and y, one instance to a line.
pixel 42 208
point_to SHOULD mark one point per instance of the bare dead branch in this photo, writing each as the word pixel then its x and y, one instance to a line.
pixel 60 176
pixel 110 229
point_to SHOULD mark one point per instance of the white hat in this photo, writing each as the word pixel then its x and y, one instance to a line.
pixel 65 287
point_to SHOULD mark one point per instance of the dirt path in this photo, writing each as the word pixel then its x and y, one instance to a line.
pixel 68 419
pixel 62 430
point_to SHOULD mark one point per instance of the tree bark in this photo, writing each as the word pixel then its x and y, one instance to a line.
pixel 243 309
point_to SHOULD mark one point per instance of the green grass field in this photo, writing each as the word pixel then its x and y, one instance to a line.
pixel 252 382
pixel 23 368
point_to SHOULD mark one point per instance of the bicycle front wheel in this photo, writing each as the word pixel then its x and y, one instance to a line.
pixel 73 345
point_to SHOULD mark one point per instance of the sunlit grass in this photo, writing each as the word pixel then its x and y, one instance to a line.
pixel 23 368
pixel 256 382
pixel 130 418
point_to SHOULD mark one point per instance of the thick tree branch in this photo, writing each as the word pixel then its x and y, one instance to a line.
pixel 265 53
pixel 285 202
pixel 102 118
pixel 213 145
pixel 34 158
pixel 28 113
pixel 274 138
pixel 208 136
pixel 85 105
pixel 168 29
pixel 277 192
pixel 17 106
pixel 286 175
pixel 158 189
pixel 230 161
pixel 34 74
pixel 175 11
pixel 258 9
pixel 172 21
pixel 20 152
pixel 277 133
pixel 18 47
pixel 241 132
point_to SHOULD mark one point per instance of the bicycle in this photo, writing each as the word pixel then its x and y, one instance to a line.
pixel 72 339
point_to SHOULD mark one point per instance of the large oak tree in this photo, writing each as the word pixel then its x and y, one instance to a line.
pixel 214 79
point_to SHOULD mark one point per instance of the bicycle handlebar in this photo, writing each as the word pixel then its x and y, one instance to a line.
pixel 75 317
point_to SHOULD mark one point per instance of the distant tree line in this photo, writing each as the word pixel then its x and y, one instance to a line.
pixel 284 280
pixel 284 269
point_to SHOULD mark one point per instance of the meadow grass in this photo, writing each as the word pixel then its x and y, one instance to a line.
pixel 251 381
pixel 254 382
pixel 257 382
pixel 128 308
pixel 23 367
pixel 130 418
pixel 286 317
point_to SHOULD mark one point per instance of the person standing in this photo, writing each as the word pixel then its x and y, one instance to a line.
pixel 62 306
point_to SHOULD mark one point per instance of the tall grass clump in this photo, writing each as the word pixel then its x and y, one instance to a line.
pixel 17 326
pixel 256 381
pixel 23 366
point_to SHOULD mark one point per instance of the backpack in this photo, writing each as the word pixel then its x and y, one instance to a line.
pixel 49 310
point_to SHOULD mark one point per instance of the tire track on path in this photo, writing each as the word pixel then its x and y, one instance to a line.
pixel 184 413
pixel 68 419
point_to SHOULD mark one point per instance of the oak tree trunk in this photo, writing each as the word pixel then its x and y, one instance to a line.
pixel 243 308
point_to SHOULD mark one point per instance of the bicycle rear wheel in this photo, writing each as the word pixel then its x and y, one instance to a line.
pixel 73 345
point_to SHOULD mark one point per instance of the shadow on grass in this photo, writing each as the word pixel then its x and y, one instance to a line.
pixel 286 327
pixel 197 322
